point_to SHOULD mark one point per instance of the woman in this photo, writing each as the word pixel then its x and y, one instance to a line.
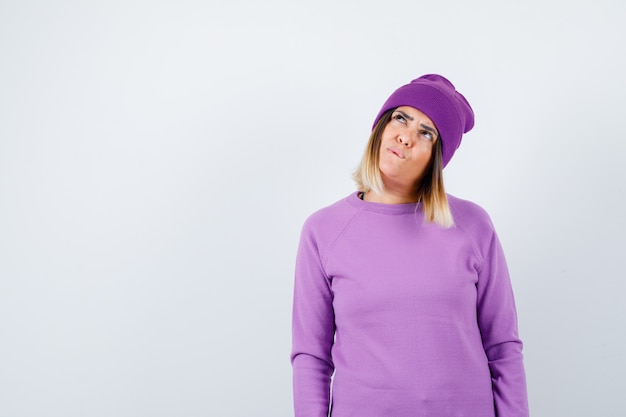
pixel 402 296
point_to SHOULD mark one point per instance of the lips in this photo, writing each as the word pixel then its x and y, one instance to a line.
pixel 396 152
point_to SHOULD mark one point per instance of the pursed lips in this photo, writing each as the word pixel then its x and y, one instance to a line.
pixel 396 152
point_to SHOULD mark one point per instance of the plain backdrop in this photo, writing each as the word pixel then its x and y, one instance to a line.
pixel 158 158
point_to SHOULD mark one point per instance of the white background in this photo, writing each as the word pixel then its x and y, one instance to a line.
pixel 158 158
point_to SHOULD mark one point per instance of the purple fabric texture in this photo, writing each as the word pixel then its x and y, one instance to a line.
pixel 407 319
pixel 436 97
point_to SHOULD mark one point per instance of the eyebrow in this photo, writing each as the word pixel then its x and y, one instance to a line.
pixel 406 116
pixel 430 129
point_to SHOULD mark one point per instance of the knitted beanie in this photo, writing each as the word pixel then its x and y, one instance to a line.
pixel 436 97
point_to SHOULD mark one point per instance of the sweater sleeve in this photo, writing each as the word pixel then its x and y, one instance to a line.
pixel 313 330
pixel 497 319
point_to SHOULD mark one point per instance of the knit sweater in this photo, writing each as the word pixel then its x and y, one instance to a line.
pixel 394 316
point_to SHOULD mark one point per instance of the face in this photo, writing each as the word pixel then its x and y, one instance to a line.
pixel 406 147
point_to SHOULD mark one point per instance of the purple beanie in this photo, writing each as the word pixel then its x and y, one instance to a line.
pixel 436 97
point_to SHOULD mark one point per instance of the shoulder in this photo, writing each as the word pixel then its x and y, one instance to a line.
pixel 470 217
pixel 332 216
pixel 328 223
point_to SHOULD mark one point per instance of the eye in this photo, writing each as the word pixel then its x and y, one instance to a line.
pixel 428 135
pixel 399 118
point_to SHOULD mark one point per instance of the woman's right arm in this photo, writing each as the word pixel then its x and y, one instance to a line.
pixel 313 330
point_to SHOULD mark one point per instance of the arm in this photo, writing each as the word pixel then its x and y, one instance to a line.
pixel 313 331
pixel 497 319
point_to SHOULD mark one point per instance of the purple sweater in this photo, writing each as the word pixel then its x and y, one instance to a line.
pixel 412 319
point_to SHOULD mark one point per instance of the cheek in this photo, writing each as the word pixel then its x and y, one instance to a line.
pixel 423 153
pixel 421 162
pixel 386 161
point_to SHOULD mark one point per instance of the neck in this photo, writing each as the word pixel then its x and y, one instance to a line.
pixel 391 197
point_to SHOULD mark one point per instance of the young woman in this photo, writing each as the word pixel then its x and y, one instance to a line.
pixel 403 305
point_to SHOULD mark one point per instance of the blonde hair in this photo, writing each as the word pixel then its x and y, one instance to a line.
pixel 430 190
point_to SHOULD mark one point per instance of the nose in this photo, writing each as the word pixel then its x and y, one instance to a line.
pixel 403 139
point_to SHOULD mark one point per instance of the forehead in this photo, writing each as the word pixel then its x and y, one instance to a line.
pixel 418 115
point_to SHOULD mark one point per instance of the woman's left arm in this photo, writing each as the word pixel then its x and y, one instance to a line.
pixel 497 319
